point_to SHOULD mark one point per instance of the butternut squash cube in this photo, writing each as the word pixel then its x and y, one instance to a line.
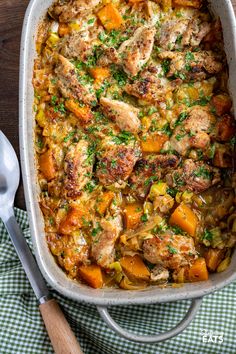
pixel 47 165
pixel 110 17
pixel 185 218
pixel 135 269
pixel 153 143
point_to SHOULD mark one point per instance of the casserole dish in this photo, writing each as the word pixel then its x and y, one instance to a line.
pixel 53 274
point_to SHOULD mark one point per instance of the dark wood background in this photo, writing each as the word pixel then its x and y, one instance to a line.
pixel 11 18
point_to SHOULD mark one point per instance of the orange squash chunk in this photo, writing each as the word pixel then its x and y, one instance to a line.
pixel 63 29
pixel 84 113
pixel 153 143
pixel 99 73
pixel 47 165
pixel 132 215
pixel 185 218
pixel 110 17
pixel 213 257
pixel 188 3
pixel 104 201
pixel 198 271
pixel 135 269
pixel 92 275
pixel 74 220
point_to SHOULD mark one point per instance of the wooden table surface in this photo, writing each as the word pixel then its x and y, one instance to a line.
pixel 11 18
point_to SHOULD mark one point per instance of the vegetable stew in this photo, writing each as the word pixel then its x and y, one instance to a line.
pixel 134 141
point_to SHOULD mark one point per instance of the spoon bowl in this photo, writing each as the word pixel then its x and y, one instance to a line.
pixel 9 173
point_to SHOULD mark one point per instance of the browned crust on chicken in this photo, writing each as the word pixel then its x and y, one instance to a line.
pixel 116 163
pixel 103 246
pixel 150 169
pixel 65 11
pixel 136 51
pixel 171 251
pixel 77 167
pixel 69 84
pixel 123 114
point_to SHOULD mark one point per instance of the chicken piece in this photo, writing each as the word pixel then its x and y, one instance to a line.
pixel 199 176
pixel 170 251
pixel 193 132
pixel 69 84
pixel 225 128
pixel 136 51
pixel 149 169
pixel 71 251
pixel 77 45
pixel 192 66
pixel 108 56
pixel 123 114
pixel 150 87
pixel 171 32
pixel 159 274
pixel 78 167
pixel 103 246
pixel 223 156
pixel 66 11
pixel 195 33
pixel 116 163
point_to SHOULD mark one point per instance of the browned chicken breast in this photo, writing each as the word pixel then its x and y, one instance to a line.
pixel 77 45
pixel 108 56
pixel 171 251
pixel 103 246
pixel 149 86
pixel 66 11
pixel 136 51
pixel 193 132
pixel 78 168
pixel 195 32
pixel 116 163
pixel 69 84
pixel 192 66
pixel 199 176
pixel 123 114
pixel 196 176
pixel 149 169
pixel 186 32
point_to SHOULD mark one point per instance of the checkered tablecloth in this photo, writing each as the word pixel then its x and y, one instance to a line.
pixel 22 331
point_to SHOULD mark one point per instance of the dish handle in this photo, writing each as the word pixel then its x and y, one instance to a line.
pixel 195 305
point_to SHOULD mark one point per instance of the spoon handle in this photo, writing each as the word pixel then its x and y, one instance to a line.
pixel 59 331
pixel 62 338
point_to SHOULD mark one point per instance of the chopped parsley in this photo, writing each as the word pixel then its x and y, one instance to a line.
pixel 90 186
pixel 91 21
pixel 172 250
pixel 177 230
pixel 166 129
pixel 69 136
pixel 96 230
pixel 179 39
pixel 151 111
pixel 207 235
pixel 144 218
pixel 123 137
pixel 189 56
pixel 203 172
pixel 150 180
pixel 181 118
pixel 172 192
pixel 165 66
pixel 120 76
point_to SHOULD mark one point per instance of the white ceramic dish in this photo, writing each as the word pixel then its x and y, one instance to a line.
pixel 53 274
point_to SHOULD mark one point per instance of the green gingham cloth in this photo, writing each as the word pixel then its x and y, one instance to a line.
pixel 22 330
